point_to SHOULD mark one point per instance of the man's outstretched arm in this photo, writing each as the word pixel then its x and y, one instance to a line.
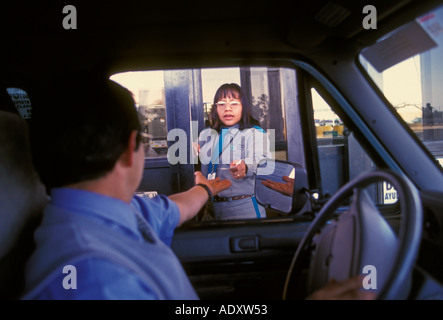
pixel 191 201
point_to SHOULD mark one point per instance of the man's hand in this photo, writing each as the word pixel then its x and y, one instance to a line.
pixel 191 201
pixel 216 186
pixel 348 289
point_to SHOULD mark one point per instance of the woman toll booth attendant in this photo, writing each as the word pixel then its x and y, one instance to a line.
pixel 230 149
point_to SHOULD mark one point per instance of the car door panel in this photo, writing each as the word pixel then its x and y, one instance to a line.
pixel 234 259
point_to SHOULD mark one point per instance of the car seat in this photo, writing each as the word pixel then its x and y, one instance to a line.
pixel 22 198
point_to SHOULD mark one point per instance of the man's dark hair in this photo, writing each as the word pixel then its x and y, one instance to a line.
pixel 80 127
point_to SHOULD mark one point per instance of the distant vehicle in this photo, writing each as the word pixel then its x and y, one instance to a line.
pixel 326 123
pixel 338 122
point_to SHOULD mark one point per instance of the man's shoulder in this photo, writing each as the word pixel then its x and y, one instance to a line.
pixel 158 205
pixel 161 213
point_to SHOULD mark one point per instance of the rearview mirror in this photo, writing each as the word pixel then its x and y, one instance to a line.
pixel 281 185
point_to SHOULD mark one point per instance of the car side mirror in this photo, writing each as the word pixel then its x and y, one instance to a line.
pixel 281 185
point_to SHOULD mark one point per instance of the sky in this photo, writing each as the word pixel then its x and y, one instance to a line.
pixel 402 85
pixel 141 80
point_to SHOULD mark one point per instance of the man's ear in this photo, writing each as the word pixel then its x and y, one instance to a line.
pixel 127 157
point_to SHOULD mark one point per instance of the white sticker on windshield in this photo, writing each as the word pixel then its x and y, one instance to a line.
pixel 432 23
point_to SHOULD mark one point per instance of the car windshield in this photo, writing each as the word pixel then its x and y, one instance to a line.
pixel 407 66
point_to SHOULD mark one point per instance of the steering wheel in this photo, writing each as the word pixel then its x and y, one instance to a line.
pixel 362 237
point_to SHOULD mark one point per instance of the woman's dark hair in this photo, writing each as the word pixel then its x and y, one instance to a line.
pixel 80 128
pixel 233 90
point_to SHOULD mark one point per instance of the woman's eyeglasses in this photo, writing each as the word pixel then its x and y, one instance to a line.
pixel 222 105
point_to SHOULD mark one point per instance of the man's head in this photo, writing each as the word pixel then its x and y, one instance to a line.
pixel 80 128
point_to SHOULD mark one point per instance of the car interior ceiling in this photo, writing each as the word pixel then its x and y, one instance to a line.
pixel 121 43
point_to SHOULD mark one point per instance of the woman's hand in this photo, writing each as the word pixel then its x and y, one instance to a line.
pixel 238 169
pixel 196 147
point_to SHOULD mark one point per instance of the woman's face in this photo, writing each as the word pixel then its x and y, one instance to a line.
pixel 229 110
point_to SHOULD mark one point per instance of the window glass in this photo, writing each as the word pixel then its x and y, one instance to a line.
pixel 148 90
pixel 341 157
pixel 272 93
pixel 330 142
pixel 411 77
pixel 173 103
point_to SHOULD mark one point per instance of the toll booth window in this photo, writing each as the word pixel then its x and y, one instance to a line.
pixel 21 101
pixel 411 78
pixel 174 107
pixel 148 90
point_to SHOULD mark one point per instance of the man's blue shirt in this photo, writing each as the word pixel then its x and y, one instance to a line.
pixel 99 236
